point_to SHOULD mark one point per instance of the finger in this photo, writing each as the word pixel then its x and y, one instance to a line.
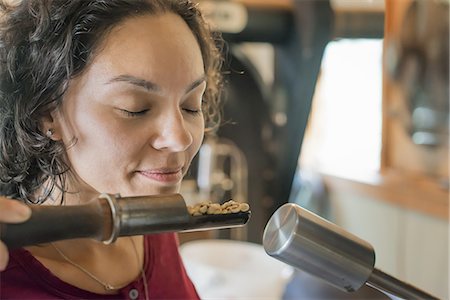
pixel 4 257
pixel 12 211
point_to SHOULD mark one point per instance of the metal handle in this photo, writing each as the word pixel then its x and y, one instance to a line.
pixel 52 223
pixel 386 283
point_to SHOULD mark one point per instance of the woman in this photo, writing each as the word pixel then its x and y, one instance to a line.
pixel 101 96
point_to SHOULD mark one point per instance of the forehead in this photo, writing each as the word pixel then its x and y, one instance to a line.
pixel 158 47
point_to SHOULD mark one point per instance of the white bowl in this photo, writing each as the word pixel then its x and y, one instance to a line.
pixel 228 269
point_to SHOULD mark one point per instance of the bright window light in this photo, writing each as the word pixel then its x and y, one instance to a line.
pixel 343 137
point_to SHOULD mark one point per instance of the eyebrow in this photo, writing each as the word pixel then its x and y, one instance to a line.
pixel 151 86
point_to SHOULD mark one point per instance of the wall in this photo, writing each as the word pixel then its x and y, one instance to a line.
pixel 409 245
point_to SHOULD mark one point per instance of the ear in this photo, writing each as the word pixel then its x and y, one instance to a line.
pixel 50 126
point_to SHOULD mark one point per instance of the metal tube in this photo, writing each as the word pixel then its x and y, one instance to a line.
pixel 386 283
pixel 306 241
pixel 161 213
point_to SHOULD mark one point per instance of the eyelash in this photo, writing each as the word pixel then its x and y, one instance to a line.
pixel 192 111
pixel 132 114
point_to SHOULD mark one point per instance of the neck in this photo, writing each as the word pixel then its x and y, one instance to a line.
pixel 76 192
pixel 78 248
pixel 107 262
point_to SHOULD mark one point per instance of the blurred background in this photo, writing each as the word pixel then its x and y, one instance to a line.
pixel 340 106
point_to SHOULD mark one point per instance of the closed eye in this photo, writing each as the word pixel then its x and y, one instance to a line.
pixel 133 113
pixel 192 111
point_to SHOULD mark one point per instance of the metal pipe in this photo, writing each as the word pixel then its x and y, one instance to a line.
pixel 304 240
pixel 386 283
pixel 111 216
pixel 308 242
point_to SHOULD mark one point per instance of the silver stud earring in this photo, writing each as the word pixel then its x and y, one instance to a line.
pixel 49 133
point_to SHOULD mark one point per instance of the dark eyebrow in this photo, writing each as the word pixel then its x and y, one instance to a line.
pixel 196 83
pixel 148 85
pixel 151 86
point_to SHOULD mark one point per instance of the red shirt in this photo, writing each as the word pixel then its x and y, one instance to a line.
pixel 26 278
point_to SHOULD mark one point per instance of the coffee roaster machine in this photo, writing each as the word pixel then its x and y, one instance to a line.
pixel 264 123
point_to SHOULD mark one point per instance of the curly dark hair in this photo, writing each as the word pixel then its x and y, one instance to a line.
pixel 46 43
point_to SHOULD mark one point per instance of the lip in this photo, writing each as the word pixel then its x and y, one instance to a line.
pixel 163 175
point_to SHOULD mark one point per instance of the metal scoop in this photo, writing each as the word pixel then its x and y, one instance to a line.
pixel 111 216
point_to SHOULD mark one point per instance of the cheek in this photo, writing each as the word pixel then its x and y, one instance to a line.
pixel 102 157
pixel 97 141
pixel 198 133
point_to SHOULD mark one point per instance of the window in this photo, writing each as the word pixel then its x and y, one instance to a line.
pixel 343 137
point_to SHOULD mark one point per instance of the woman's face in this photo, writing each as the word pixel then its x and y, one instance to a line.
pixel 136 110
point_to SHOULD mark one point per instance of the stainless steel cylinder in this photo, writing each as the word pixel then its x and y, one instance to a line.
pixel 156 213
pixel 321 248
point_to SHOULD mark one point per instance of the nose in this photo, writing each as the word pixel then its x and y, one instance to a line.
pixel 173 134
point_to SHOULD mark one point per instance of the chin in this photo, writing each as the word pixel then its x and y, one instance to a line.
pixel 168 190
pixel 158 191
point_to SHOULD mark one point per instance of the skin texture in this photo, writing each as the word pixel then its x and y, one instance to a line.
pixel 152 67
pixel 131 122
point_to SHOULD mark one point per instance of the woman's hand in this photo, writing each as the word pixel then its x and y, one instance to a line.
pixel 11 211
